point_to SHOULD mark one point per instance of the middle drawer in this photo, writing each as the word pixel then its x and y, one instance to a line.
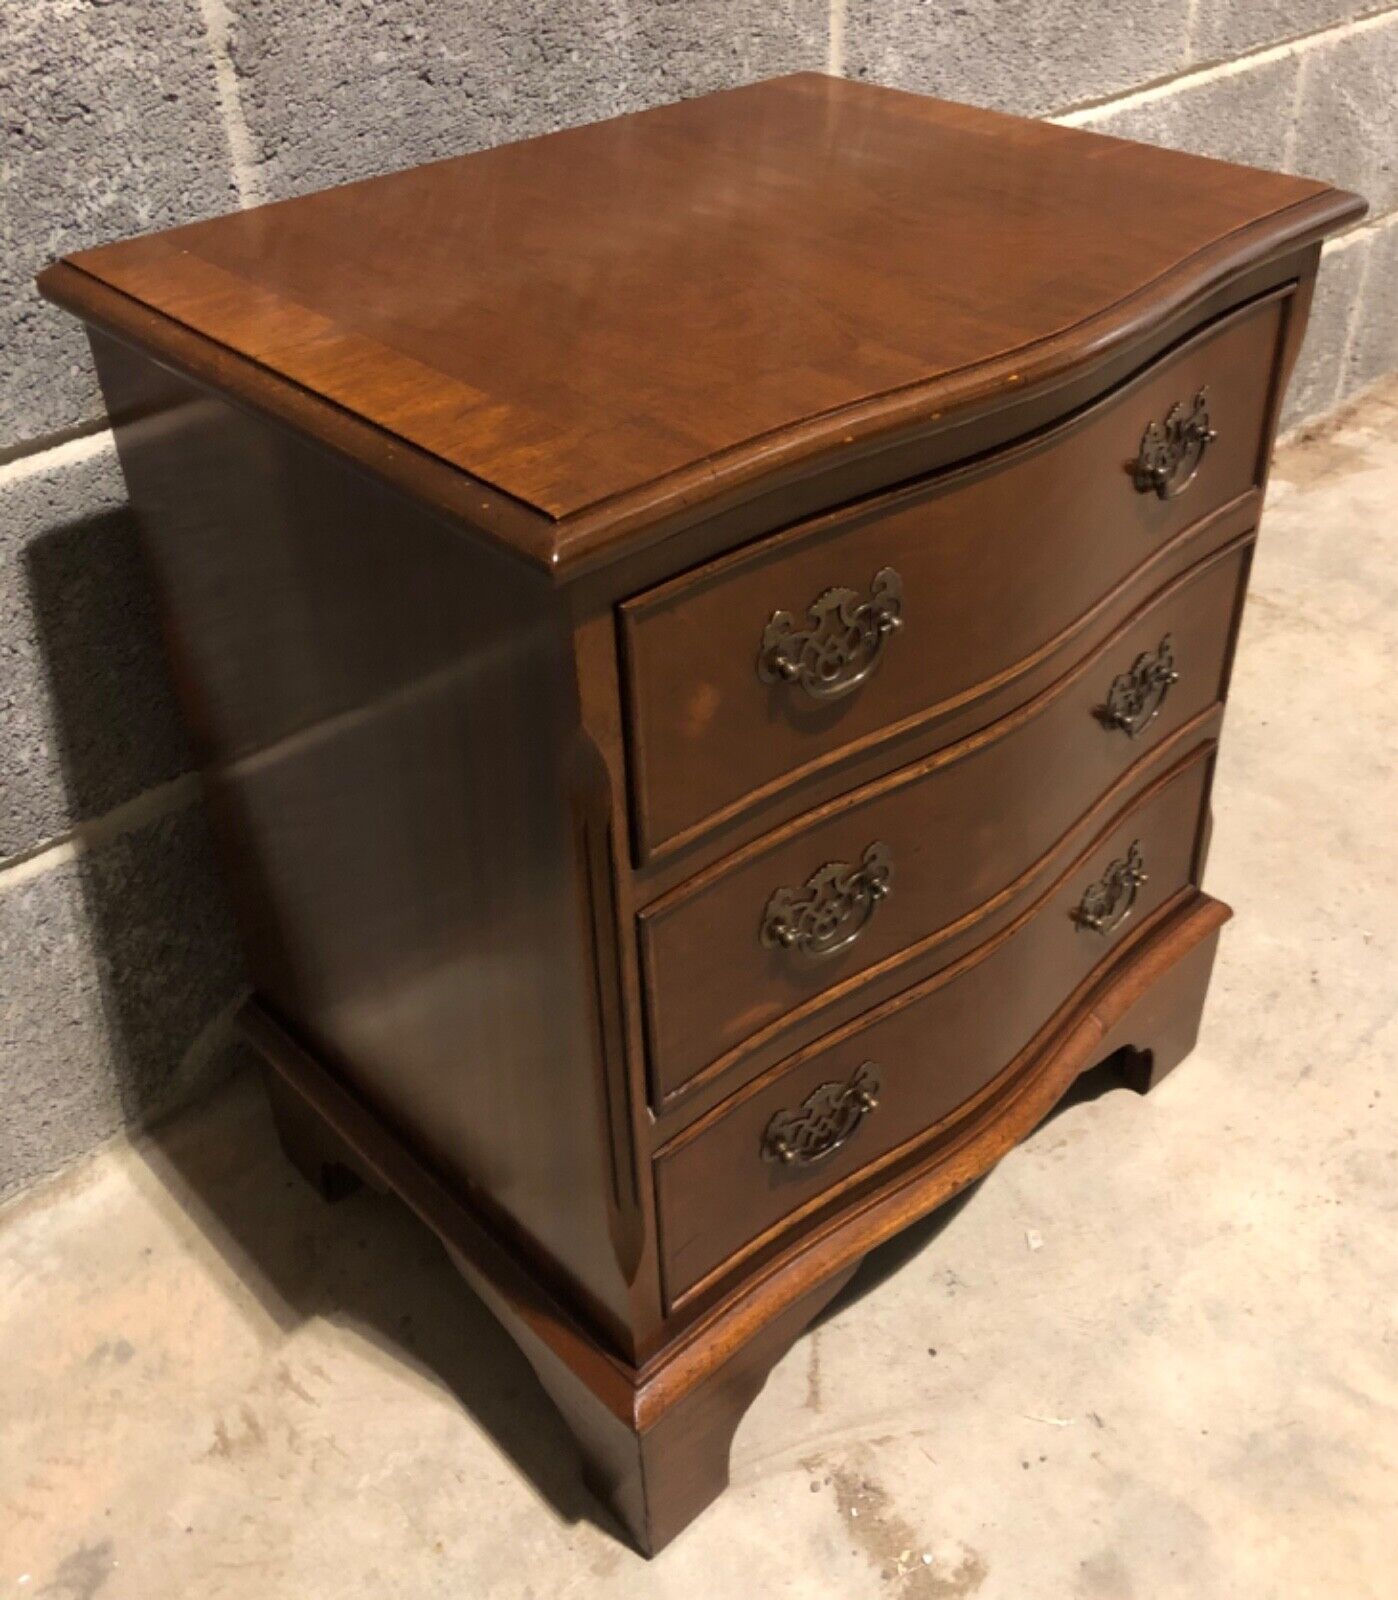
pixel 735 956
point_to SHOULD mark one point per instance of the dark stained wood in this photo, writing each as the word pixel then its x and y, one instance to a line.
pixel 658 1477
pixel 830 781
pixel 468 493
pixel 728 274
pixel 624 545
pixel 655 1438
pixel 1163 1026
pixel 384 713
pixel 935 1046
pixel 311 1145
pixel 842 1005
pixel 997 564
pixel 1007 795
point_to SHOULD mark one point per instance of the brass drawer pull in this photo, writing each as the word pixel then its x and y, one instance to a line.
pixel 826 1119
pixel 1137 694
pixel 1172 450
pixel 831 908
pixel 843 643
pixel 1107 903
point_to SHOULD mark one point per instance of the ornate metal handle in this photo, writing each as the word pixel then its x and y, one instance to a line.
pixel 826 1119
pixel 1137 694
pixel 842 644
pixel 1172 450
pixel 831 908
pixel 1107 903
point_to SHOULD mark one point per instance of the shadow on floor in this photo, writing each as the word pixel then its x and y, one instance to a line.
pixel 367 1264
pixel 168 965
pixel 890 1258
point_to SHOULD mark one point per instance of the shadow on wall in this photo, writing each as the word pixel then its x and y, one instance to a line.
pixel 149 967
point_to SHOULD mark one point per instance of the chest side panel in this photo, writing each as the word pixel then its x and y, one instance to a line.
pixel 385 714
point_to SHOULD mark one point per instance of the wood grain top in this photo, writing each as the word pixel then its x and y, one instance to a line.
pixel 659 302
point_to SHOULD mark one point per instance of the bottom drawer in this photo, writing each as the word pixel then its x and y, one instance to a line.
pixel 728 1182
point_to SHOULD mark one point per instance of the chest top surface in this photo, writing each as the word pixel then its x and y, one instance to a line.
pixel 674 295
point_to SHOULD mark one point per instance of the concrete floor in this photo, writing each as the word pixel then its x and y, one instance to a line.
pixel 1154 1354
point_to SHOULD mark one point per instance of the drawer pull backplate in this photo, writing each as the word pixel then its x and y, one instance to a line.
pixel 1107 903
pixel 824 1121
pixel 831 908
pixel 1172 450
pixel 842 643
pixel 1137 694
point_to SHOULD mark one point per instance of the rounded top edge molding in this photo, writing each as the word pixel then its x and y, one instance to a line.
pixel 578 343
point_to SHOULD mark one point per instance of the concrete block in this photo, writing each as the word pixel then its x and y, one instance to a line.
pixel 1315 384
pixel 88 717
pixel 1243 117
pixel 335 93
pixel 1224 29
pixel 1347 114
pixel 1024 56
pixel 1373 349
pixel 113 969
pixel 111 128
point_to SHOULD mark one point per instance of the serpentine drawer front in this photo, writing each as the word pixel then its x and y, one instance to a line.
pixel 707 635
pixel 931 1048
pixel 775 661
pixel 765 940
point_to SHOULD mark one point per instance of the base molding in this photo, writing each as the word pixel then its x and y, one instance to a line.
pixel 655 1438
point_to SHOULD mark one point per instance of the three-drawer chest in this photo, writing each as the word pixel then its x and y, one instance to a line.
pixel 707 635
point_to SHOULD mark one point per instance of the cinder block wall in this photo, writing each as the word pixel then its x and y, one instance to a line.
pixel 118 969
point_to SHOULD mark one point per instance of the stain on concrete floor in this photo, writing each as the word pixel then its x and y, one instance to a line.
pixel 212 1386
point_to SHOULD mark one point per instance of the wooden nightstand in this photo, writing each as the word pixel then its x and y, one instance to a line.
pixel 708 634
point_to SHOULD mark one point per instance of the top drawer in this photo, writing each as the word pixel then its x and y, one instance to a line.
pixel 772 662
